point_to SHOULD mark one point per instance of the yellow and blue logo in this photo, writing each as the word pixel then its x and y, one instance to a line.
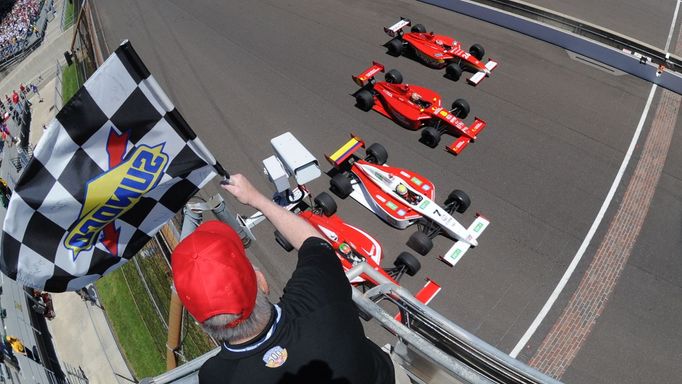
pixel 110 195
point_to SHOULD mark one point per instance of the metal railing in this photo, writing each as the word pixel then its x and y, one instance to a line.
pixel 447 353
pixel 428 347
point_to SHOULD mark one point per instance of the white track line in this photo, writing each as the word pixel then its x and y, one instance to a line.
pixel 588 238
pixel 672 26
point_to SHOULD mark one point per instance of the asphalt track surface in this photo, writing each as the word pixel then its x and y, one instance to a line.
pixel 245 71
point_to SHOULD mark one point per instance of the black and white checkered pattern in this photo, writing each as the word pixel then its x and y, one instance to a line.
pixel 50 195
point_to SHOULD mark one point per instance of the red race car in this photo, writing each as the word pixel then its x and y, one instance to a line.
pixel 354 245
pixel 416 107
pixel 438 51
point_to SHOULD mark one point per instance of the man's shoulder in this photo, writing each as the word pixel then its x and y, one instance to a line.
pixel 216 370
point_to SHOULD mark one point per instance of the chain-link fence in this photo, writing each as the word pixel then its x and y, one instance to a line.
pixel 69 14
pixel 82 49
pixel 58 98
pixel 148 274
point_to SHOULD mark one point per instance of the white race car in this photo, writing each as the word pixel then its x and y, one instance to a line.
pixel 402 198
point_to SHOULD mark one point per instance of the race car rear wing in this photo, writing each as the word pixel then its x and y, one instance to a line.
pixel 396 29
pixel 368 75
pixel 468 135
pixel 480 75
pixel 457 251
pixel 342 154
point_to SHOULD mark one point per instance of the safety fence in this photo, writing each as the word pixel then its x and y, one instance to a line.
pixel 82 52
pixel 58 98
pixel 149 280
pixel 75 375
pixel 69 13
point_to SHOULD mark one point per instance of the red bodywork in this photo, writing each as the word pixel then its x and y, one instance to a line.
pixel 336 231
pixel 365 248
pixel 399 103
pixel 437 51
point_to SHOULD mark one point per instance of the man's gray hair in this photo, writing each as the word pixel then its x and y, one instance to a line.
pixel 260 316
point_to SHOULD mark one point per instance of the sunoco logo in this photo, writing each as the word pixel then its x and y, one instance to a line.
pixel 115 192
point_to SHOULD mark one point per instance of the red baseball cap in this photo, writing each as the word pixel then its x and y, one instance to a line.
pixel 212 274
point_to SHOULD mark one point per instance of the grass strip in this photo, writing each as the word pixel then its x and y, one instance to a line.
pixel 128 313
pixel 70 82
pixel 140 332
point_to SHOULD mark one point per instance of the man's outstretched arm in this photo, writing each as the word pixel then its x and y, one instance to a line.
pixel 294 228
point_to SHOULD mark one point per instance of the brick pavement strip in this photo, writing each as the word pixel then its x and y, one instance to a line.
pixel 568 334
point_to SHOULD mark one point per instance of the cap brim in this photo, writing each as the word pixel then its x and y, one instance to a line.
pixel 217 227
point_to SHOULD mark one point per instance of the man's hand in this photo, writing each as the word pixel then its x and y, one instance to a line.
pixel 294 228
pixel 240 187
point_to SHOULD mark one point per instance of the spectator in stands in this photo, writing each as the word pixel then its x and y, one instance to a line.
pixel 5 195
pixel 313 335
pixel 15 27
pixel 16 344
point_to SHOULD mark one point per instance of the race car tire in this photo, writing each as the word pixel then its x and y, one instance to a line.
pixel 421 243
pixel 430 137
pixel 419 28
pixel 461 200
pixel 326 203
pixel 377 154
pixel 477 51
pixel 460 108
pixel 453 71
pixel 341 186
pixel 364 100
pixel 393 76
pixel 409 261
pixel 283 242
pixel 395 47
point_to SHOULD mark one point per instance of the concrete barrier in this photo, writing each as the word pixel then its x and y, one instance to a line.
pixel 626 60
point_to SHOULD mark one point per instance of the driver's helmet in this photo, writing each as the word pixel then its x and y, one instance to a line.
pixel 401 189
pixel 345 249
pixel 415 96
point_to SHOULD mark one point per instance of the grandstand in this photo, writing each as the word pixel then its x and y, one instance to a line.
pixel 21 26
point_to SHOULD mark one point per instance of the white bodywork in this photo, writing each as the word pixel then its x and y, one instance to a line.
pixel 426 207
pixel 455 253
pixel 394 29
pixel 480 75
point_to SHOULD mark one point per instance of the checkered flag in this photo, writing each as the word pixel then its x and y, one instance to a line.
pixel 113 167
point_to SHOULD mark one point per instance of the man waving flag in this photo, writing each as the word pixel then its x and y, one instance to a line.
pixel 113 167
